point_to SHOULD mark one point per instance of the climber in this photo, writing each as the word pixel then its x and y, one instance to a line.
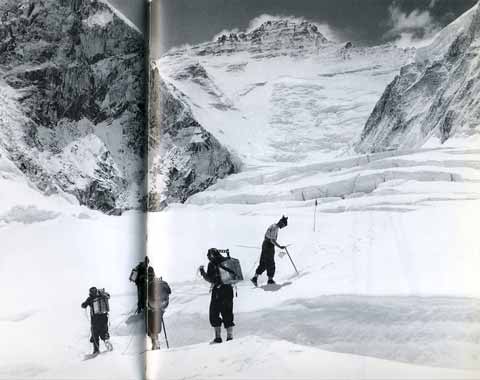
pixel 267 257
pixel 99 308
pixel 221 302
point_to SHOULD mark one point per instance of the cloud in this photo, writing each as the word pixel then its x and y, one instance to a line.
pixel 417 28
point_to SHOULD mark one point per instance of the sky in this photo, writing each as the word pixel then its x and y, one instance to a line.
pixel 364 22
pixel 135 10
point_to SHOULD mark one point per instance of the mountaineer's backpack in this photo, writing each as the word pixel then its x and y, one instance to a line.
pixel 229 269
pixel 133 275
pixel 100 303
pixel 158 294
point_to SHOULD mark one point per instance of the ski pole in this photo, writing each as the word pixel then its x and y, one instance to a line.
pixel 165 332
pixel 286 250
pixel 315 215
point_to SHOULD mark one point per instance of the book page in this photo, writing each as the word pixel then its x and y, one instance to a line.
pixel 72 188
pixel 330 150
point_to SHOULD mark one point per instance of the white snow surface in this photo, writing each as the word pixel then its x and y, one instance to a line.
pixel 390 271
pixel 280 359
pixel 51 254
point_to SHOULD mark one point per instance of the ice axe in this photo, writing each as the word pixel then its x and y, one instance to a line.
pixel 290 257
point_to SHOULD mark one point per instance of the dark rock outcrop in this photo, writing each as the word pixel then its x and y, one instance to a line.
pixel 77 73
pixel 184 158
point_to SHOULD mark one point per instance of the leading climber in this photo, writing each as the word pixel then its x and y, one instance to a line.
pixel 267 257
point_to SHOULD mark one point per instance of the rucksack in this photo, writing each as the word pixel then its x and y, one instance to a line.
pixel 100 303
pixel 158 294
pixel 229 269
pixel 133 275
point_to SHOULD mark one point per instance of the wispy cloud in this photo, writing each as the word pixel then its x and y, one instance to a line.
pixel 417 28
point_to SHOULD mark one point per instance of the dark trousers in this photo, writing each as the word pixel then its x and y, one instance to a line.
pixel 267 259
pixel 154 322
pixel 221 304
pixel 141 296
pixel 99 329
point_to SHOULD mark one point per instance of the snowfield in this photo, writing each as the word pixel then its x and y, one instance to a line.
pixel 388 283
pixel 256 358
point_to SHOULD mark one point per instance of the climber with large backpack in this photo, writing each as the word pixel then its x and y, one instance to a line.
pixel 158 295
pixel 99 308
pixel 221 273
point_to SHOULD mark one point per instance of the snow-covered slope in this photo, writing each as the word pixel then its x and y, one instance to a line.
pixel 436 96
pixel 71 80
pixel 52 252
pixel 280 94
pixel 255 358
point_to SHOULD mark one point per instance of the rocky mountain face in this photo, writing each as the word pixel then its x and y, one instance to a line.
pixel 437 95
pixel 183 157
pixel 72 79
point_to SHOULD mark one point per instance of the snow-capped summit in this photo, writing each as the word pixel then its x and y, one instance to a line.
pixel 273 37
pixel 435 96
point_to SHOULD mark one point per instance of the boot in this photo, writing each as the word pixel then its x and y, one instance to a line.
pixel 229 333
pixel 254 280
pixel 108 345
pixel 218 335
pixel 270 281
pixel 96 350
